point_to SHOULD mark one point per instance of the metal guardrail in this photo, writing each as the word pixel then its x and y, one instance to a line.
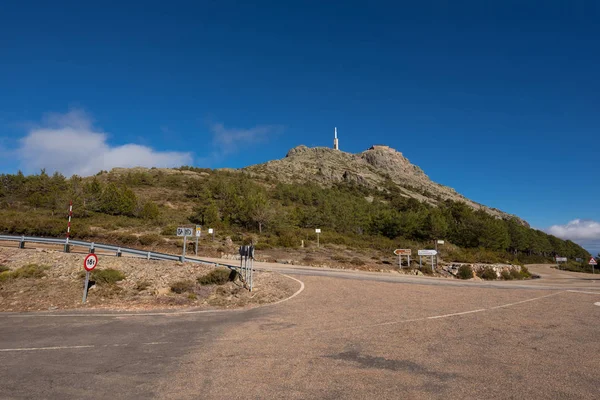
pixel 118 250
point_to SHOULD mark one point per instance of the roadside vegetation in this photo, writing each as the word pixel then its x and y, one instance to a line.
pixel 142 207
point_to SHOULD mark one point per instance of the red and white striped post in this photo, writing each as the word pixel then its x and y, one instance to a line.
pixel 67 247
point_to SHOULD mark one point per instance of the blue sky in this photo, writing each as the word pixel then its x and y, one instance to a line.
pixel 496 99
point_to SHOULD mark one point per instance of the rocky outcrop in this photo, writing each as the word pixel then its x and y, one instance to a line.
pixel 373 168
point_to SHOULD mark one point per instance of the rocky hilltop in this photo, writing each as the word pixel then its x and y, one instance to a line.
pixel 373 168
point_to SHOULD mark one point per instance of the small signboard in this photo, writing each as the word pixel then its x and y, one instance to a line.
pixel 198 231
pixel 211 230
pixel 403 252
pixel 182 231
pixel 440 242
pixel 90 262
pixel 427 252
pixel 593 261
pixel 317 230
pixel 561 259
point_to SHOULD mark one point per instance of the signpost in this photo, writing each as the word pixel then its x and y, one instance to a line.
pixel 559 260
pixel 403 252
pixel 198 234
pixel 318 232
pixel 211 231
pixel 90 262
pixel 593 262
pixel 431 253
pixel 185 232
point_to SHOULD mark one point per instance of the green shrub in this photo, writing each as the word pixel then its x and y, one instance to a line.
pixel 182 286
pixel 30 271
pixel 488 274
pixel 4 268
pixel 514 274
pixel 506 275
pixel 150 211
pixel 107 276
pixel 219 276
pixel 151 239
pixel 465 272
pixel 357 261
pixel 525 274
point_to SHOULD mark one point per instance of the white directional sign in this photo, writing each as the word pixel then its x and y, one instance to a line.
pixel 210 230
pixel 182 231
pixel 561 259
pixel 440 242
pixel 317 230
pixel 593 261
pixel 427 252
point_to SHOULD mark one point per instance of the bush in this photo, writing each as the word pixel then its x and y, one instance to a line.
pixel 219 276
pixel 514 274
pixel 30 271
pixel 525 274
pixel 357 261
pixel 506 275
pixel 182 286
pixel 149 211
pixel 488 274
pixel 3 268
pixel 151 239
pixel 107 276
pixel 465 272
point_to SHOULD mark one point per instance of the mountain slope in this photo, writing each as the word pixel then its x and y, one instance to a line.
pixel 373 168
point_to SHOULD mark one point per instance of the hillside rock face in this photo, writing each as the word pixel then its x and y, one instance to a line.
pixel 371 168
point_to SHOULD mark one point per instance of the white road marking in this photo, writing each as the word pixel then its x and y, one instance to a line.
pixel 48 348
pixel 525 301
pixel 90 346
pixel 155 314
pixel 458 313
pixel 581 291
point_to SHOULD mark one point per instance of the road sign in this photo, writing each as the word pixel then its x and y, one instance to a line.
pixel 593 261
pixel 440 242
pixel 198 231
pixel 182 231
pixel 317 230
pixel 90 262
pixel 561 259
pixel 427 252
pixel 210 230
pixel 403 252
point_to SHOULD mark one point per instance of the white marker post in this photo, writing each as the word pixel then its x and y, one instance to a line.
pixel 90 262
pixel 318 232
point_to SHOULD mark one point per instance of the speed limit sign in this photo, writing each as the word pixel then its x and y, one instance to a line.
pixel 90 262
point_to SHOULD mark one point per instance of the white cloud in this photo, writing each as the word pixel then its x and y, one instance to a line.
pixel 584 232
pixel 70 144
pixel 230 140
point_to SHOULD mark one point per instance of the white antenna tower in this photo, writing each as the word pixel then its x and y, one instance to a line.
pixel 336 143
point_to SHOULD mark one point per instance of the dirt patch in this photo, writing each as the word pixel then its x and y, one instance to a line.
pixel 146 284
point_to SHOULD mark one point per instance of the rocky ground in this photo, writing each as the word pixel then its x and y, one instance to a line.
pixel 147 284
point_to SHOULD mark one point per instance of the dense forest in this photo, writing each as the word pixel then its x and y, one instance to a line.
pixel 279 215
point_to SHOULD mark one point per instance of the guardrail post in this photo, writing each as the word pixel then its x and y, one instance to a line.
pixel 22 242
pixel 67 248
pixel 148 257
pixel 119 252
pixel 92 250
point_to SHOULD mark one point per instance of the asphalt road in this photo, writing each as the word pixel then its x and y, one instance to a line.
pixel 344 336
